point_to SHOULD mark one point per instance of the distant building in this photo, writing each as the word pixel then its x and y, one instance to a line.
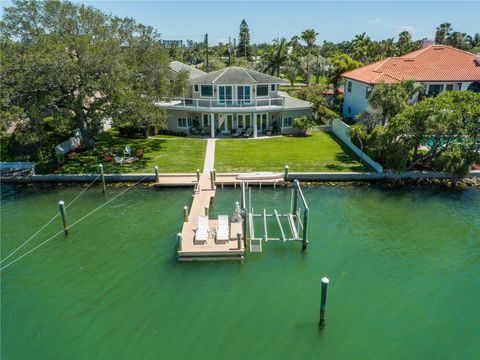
pixel 189 43
pixel 169 43
pixel 437 67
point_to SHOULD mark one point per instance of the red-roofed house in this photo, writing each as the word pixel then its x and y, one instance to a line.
pixel 437 67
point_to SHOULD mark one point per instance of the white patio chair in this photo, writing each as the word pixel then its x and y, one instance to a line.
pixel 222 233
pixel 202 233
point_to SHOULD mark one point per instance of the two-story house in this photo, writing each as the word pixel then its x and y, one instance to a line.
pixel 234 101
pixel 437 67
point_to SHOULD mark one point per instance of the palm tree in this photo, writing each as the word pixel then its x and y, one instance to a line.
pixel 443 32
pixel 291 69
pixel 309 36
pixel 277 57
pixel 295 43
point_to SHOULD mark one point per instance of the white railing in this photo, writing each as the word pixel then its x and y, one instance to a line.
pixel 216 103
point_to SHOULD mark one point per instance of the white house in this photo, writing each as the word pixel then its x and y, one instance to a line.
pixel 233 101
pixel 437 67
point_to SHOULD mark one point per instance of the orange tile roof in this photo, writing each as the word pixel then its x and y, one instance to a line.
pixel 432 63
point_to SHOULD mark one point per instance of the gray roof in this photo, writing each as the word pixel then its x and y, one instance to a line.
pixel 294 103
pixel 178 66
pixel 237 75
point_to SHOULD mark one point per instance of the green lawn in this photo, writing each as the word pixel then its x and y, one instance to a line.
pixel 320 152
pixel 169 153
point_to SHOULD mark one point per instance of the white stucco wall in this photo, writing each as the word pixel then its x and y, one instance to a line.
pixel 355 100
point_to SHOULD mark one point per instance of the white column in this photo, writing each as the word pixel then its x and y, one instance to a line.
pixel 254 125
pixel 212 125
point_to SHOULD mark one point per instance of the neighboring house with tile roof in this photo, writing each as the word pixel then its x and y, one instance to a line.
pixel 437 67
pixel 234 100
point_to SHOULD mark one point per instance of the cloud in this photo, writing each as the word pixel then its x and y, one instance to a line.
pixel 375 21
pixel 397 29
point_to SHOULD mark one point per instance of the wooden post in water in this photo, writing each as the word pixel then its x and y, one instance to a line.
pixel 102 177
pixel 294 200
pixel 185 213
pixel 239 240
pixel 63 213
pixel 212 180
pixel 285 177
pixel 198 175
pixel 305 225
pixel 244 227
pixel 323 302
pixel 179 239
pixel 157 177
pixel 214 175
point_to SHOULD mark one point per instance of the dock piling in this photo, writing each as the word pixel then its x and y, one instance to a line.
pixel 157 177
pixel 102 176
pixel 214 175
pixel 305 225
pixel 206 210
pixel 212 180
pixel 185 213
pixel 285 177
pixel 179 240
pixel 323 302
pixel 198 175
pixel 239 240
pixel 63 213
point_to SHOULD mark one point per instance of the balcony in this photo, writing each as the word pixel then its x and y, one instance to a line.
pixel 216 104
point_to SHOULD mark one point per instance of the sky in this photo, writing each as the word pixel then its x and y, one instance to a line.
pixel 333 20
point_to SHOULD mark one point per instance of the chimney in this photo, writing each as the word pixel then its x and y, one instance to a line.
pixel 427 42
pixel 477 59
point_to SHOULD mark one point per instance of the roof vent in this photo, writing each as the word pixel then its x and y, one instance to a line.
pixel 427 42
pixel 477 59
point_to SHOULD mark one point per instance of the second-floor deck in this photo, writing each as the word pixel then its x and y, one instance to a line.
pixel 231 104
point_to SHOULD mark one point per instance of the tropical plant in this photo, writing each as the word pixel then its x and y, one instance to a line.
pixel 309 36
pixel 277 57
pixel 291 70
pixel 305 124
pixel 339 65
pixel 444 30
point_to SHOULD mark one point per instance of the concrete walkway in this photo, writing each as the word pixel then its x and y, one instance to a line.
pixel 209 156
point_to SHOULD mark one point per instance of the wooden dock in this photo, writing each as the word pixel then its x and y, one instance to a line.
pixel 184 180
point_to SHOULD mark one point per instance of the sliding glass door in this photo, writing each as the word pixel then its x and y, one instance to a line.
pixel 225 122
pixel 225 94
pixel 262 122
pixel 243 121
pixel 243 94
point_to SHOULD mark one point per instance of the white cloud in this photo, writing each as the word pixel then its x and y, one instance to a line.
pixel 375 21
pixel 397 29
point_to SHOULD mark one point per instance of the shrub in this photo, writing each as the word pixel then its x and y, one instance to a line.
pixel 305 124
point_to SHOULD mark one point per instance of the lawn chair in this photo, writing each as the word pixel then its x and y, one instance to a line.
pixel 202 233
pixel 222 235
pixel 119 160
pixel 237 132
pixel 248 132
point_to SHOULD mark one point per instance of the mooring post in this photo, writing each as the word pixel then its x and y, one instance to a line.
pixel 243 194
pixel 294 200
pixel 63 213
pixel 305 225
pixel 285 177
pixel 179 239
pixel 239 240
pixel 185 213
pixel 102 177
pixel 244 227
pixel 157 177
pixel 198 175
pixel 212 180
pixel 323 302
pixel 206 210
pixel 214 175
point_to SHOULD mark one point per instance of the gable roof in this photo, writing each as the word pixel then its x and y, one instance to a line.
pixel 237 75
pixel 178 66
pixel 432 63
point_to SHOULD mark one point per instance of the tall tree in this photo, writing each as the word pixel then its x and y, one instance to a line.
pixel 277 57
pixel 294 43
pixel 443 32
pixel 339 65
pixel 244 48
pixel 309 36
pixel 404 43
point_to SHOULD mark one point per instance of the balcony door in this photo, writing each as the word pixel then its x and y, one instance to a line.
pixel 262 122
pixel 243 94
pixel 225 122
pixel 243 121
pixel 225 94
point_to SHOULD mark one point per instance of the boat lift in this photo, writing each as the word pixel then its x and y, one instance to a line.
pixel 297 228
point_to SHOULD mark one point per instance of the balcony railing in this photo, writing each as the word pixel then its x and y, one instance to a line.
pixel 216 103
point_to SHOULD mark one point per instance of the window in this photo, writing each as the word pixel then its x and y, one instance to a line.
pixel 243 94
pixel 368 91
pixel 195 87
pixel 449 87
pixel 225 94
pixel 434 90
pixel 349 86
pixel 459 86
pixel 262 90
pixel 206 120
pixel 287 122
pixel 182 123
pixel 273 87
pixel 206 90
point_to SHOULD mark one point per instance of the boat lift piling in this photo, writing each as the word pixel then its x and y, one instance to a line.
pixel 63 213
pixel 102 177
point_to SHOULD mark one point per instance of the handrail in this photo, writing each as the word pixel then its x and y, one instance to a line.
pixel 217 103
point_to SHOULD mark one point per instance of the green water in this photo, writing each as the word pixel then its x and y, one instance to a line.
pixel 404 265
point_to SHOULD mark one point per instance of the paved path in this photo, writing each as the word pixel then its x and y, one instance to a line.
pixel 209 156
